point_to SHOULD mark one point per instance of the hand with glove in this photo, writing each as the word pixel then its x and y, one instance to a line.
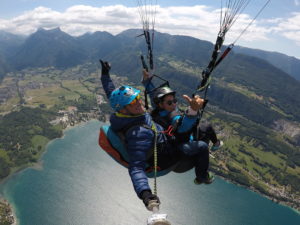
pixel 150 200
pixel 105 67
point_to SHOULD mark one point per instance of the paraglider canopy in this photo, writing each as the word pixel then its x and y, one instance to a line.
pixel 229 13
pixel 147 10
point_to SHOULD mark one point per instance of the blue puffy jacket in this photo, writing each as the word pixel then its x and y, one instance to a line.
pixel 139 140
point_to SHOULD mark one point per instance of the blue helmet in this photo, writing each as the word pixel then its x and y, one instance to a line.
pixel 122 96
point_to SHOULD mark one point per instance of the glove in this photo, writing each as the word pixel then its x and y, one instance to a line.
pixel 147 196
pixel 105 67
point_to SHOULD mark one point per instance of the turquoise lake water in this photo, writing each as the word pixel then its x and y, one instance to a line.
pixel 78 184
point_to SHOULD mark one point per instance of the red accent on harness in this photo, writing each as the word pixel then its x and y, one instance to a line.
pixel 151 169
pixel 106 146
pixel 169 131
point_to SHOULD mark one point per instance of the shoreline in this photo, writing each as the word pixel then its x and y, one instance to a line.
pixel 38 165
pixel 274 199
pixel 10 216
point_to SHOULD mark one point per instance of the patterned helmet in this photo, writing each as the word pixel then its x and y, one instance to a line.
pixel 162 92
pixel 122 96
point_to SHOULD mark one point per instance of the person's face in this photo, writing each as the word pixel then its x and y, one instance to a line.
pixel 136 107
pixel 169 103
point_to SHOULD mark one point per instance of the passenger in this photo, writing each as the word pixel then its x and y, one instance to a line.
pixel 142 135
pixel 166 114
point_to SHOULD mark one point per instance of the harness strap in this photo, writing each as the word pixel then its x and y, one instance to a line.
pixel 153 127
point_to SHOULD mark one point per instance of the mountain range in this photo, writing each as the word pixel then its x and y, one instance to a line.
pixel 288 64
pixel 59 49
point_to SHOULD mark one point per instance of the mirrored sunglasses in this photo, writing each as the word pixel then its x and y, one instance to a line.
pixel 135 100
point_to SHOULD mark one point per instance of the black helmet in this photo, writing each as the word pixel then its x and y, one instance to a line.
pixel 162 92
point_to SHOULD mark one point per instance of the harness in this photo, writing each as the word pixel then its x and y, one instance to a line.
pixel 171 130
pixel 114 144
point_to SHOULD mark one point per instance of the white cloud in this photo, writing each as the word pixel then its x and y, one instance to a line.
pixel 290 28
pixel 75 20
pixel 197 21
pixel 29 21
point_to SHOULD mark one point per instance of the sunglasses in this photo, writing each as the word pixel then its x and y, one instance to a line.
pixel 137 98
pixel 170 102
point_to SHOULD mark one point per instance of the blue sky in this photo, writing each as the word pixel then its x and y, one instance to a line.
pixel 276 29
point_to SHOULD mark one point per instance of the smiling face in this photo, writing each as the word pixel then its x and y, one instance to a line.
pixel 168 103
pixel 136 107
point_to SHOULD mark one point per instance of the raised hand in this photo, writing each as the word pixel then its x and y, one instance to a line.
pixel 195 103
pixel 105 67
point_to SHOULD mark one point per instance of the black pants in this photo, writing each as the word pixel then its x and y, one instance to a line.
pixel 205 132
pixel 183 157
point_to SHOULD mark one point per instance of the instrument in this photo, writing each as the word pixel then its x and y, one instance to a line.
pixel 156 218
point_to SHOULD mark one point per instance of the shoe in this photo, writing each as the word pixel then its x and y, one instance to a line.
pixel 207 180
pixel 216 146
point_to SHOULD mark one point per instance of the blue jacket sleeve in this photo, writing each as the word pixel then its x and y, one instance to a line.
pixel 149 86
pixel 139 144
pixel 107 84
pixel 187 122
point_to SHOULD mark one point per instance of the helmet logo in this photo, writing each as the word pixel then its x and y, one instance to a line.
pixel 129 92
